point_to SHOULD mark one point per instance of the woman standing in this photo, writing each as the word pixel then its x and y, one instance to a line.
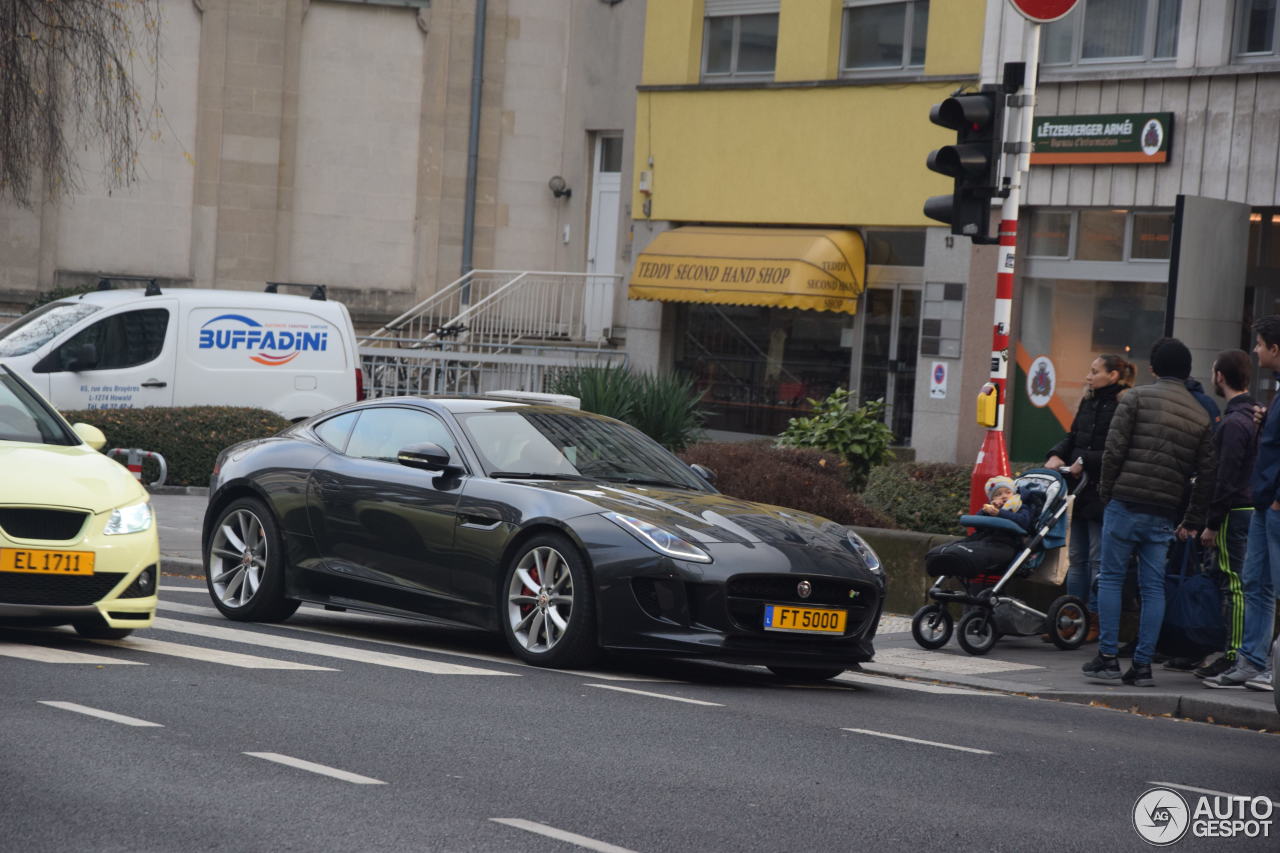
pixel 1109 377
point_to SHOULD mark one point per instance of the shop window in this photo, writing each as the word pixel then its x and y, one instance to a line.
pixel 1152 234
pixel 1101 235
pixel 739 46
pixel 1255 27
pixel 1050 234
pixel 895 248
pixel 883 36
pixel 1104 31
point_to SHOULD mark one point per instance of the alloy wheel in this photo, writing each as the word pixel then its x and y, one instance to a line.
pixel 238 558
pixel 540 599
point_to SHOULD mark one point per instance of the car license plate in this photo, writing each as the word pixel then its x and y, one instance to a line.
pixel 783 617
pixel 46 562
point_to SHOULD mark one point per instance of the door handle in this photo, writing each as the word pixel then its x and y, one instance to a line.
pixel 479 519
pixel 154 383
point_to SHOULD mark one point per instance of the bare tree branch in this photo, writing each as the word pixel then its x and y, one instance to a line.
pixel 68 85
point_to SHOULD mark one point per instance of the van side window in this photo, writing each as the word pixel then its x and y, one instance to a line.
pixel 121 340
pixel 335 431
pixel 382 433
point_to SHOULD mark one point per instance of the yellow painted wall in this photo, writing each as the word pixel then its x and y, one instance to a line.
pixel 672 43
pixel 841 155
pixel 809 40
pixel 955 37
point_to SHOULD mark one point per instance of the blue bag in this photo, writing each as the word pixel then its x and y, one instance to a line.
pixel 1193 624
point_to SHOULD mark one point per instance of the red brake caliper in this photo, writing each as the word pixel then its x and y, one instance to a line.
pixel 533 573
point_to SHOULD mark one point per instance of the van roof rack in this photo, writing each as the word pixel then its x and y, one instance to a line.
pixel 153 286
pixel 317 290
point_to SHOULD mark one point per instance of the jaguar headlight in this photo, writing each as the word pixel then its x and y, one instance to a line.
pixel 860 547
pixel 659 538
pixel 134 518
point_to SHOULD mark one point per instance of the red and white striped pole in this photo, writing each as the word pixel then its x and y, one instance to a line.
pixel 993 458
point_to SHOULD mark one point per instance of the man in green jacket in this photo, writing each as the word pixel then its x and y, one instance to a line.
pixel 1160 438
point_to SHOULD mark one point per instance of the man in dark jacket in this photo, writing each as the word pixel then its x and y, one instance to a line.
pixel 1231 508
pixel 1160 438
pixel 1260 574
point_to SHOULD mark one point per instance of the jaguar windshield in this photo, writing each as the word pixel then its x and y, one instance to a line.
pixel 530 443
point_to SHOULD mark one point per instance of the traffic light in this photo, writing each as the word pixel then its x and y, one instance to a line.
pixel 973 161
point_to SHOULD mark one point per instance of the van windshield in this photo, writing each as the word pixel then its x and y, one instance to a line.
pixel 34 330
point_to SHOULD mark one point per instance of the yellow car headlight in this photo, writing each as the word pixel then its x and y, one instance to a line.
pixel 129 519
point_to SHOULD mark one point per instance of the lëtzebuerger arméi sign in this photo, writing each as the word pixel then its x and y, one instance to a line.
pixel 1101 139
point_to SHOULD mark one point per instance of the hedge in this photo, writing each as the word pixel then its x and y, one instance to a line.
pixel 800 478
pixel 189 438
pixel 927 497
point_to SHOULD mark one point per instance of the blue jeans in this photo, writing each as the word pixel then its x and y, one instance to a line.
pixel 1125 532
pixel 1260 577
pixel 1084 551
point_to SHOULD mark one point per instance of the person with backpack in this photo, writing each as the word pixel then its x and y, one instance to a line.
pixel 1109 377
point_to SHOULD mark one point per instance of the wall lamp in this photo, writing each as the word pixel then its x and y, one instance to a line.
pixel 559 188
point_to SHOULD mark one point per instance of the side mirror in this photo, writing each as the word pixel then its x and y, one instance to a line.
pixel 90 435
pixel 427 456
pixel 80 358
pixel 704 472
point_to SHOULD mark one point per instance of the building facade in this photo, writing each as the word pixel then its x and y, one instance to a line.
pixel 781 248
pixel 1153 197
pixel 328 142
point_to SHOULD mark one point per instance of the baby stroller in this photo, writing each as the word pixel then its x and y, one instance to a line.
pixel 989 613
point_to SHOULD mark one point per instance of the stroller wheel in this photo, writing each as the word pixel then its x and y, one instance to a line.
pixel 931 626
pixel 1068 622
pixel 977 632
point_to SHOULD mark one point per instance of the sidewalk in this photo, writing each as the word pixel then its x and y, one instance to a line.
pixel 1021 665
pixel 1025 665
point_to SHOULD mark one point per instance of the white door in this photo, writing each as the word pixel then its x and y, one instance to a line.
pixel 122 361
pixel 602 241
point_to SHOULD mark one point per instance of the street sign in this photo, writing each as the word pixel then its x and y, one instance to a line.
pixel 1043 11
pixel 1109 138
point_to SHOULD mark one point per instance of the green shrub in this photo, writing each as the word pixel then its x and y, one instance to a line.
pixel 188 438
pixel 860 436
pixel 57 293
pixel 927 497
pixel 664 407
pixel 800 478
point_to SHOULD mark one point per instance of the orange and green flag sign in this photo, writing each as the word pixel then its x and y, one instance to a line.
pixel 1094 139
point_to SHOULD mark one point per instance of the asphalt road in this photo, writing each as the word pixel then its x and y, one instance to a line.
pixel 342 732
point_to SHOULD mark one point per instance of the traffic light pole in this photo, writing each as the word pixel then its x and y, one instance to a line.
pixel 993 458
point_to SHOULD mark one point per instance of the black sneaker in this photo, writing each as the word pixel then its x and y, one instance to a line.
pixel 1126 651
pixel 1139 675
pixel 1103 668
pixel 1215 668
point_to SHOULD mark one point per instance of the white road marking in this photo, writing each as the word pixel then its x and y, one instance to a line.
pixel 170 588
pixel 942 661
pixel 560 835
pixel 253 638
pixel 424 647
pixel 178 650
pixel 655 695
pixel 45 654
pixel 1210 791
pixel 95 712
pixel 917 740
pixel 312 767
pixel 899 684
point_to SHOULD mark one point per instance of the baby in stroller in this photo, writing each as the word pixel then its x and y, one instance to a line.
pixel 1022 523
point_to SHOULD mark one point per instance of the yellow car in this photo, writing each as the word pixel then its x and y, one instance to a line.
pixel 78 540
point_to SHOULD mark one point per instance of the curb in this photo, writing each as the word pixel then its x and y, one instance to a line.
pixel 1197 708
pixel 181 566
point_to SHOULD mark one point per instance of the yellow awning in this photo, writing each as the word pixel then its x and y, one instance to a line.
pixel 776 267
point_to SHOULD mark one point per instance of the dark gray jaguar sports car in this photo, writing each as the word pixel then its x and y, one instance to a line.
pixel 567 531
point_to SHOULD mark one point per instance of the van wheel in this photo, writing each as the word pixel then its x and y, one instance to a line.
pixel 244 566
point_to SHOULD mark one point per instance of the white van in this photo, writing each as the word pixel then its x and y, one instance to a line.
pixel 113 349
